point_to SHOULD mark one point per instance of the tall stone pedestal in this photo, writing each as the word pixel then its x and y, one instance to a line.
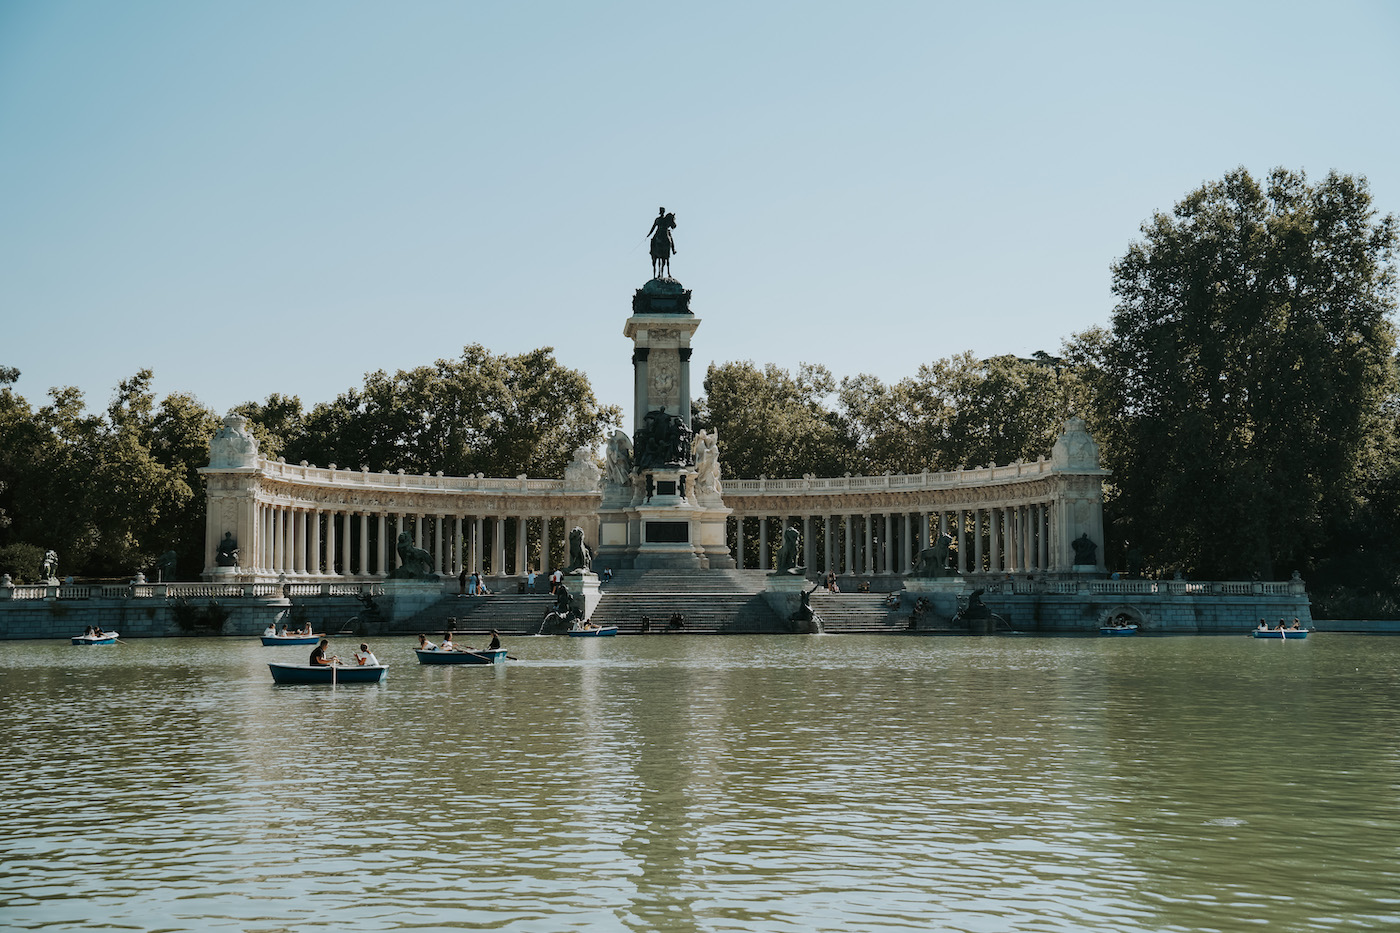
pixel 583 589
pixel 942 594
pixel 659 517
pixel 784 594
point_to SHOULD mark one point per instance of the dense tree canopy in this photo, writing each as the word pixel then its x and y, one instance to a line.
pixel 108 492
pixel 771 422
pixel 1242 390
pixel 482 413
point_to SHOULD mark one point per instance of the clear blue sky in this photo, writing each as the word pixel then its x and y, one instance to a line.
pixel 253 197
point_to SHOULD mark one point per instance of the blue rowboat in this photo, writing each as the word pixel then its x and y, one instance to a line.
pixel 293 639
pixel 599 632
pixel 106 638
pixel 1118 630
pixel 327 673
pixel 485 656
pixel 1280 633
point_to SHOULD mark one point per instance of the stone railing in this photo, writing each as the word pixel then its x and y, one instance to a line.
pixel 190 591
pixel 1098 587
pixel 826 485
pixel 479 482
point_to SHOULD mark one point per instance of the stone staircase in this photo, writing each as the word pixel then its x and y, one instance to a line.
pixel 858 613
pixel 712 601
pixel 507 613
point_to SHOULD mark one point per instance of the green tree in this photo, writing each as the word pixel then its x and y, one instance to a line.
pixel 961 411
pixel 771 422
pixel 1242 390
pixel 87 486
pixel 180 432
pixel 482 413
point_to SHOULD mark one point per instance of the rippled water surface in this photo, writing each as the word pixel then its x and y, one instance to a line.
pixel 708 783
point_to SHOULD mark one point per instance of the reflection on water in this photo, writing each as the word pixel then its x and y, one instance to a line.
pixel 707 783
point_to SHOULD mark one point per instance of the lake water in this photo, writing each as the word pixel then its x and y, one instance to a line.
pixel 684 783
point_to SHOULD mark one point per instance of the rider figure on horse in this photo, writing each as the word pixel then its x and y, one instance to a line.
pixel 662 245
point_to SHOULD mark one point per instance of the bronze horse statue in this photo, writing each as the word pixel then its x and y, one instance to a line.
pixel 662 245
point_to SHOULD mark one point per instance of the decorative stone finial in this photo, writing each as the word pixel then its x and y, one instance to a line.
pixel 234 446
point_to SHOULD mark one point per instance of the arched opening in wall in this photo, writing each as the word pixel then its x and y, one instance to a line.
pixel 1124 614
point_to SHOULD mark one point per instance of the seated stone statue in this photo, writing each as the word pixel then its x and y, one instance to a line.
pixel 1085 550
pixel 933 561
pixel 226 554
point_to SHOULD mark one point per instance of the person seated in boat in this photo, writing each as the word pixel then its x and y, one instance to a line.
pixel 447 643
pixel 270 630
pixel 365 658
pixel 318 654
pixel 306 629
pixel 1263 626
pixel 425 645
pixel 1295 626
pixel 495 641
pixel 1281 625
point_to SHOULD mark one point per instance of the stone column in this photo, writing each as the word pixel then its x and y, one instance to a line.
pixel 521 542
pixel 739 541
pixel 977 540
pixel 379 567
pixel 498 547
pixel 303 543
pixel 331 537
pixel 477 530
pixel 346 543
pixel 313 549
pixel 394 557
pixel 993 540
pixel 906 544
pixel 364 544
pixel 418 522
pixel 763 542
pixel 1045 535
pixel 544 546
pixel 867 557
pixel 437 544
pixel 846 566
pixel 886 548
pixel 809 551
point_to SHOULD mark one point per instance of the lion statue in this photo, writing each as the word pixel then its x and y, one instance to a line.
pixel 580 558
pixel 933 561
pixel 417 562
pixel 787 554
